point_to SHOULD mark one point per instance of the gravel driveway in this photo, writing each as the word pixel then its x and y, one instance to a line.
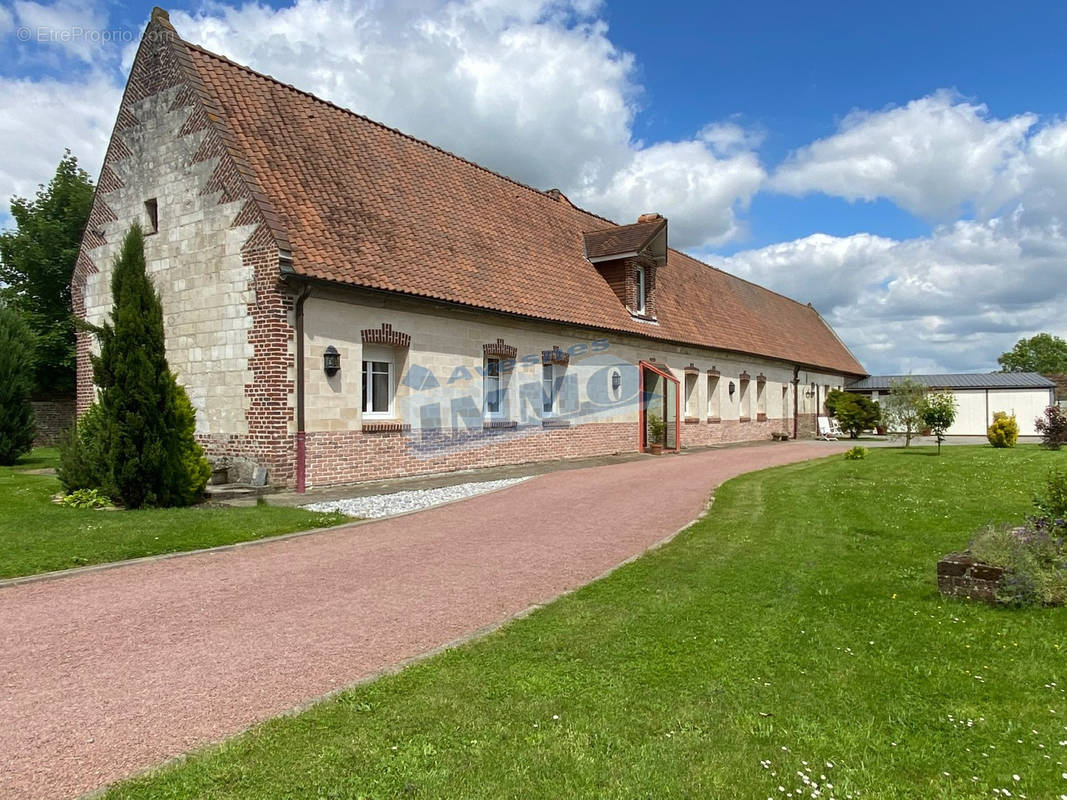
pixel 106 673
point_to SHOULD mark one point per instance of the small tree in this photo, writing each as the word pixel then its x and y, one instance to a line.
pixel 36 265
pixel 1052 427
pixel 1004 432
pixel 938 413
pixel 147 423
pixel 855 413
pixel 16 380
pixel 903 407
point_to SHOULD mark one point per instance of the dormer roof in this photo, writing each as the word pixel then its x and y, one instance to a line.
pixel 646 236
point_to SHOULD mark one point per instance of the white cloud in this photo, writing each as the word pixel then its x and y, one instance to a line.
pixel 932 157
pixel 535 90
pixel 77 28
pixel 951 301
pixel 39 118
pixel 686 182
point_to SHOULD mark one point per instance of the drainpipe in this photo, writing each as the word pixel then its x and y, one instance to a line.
pixel 796 398
pixel 301 451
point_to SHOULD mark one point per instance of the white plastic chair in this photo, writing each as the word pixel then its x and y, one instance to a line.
pixel 829 430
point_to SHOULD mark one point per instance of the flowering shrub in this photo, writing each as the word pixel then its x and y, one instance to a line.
pixel 1004 432
pixel 1052 427
pixel 857 453
pixel 1034 556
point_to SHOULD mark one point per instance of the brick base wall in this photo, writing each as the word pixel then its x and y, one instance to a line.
pixel 54 417
pixel 339 457
pixel 702 433
pixel 350 456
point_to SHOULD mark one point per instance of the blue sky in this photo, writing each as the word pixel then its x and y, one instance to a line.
pixel 904 168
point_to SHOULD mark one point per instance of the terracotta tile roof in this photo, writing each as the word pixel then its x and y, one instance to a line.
pixel 621 239
pixel 365 205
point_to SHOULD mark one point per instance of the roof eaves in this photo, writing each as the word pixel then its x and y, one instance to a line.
pixel 299 277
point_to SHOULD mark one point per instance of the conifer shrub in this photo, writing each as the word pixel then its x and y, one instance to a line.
pixel 1004 432
pixel 16 382
pixel 147 449
pixel 82 461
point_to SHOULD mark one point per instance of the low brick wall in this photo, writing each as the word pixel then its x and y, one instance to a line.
pixel 53 418
pixel 959 575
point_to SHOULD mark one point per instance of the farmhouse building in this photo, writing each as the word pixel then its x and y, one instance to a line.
pixel 344 302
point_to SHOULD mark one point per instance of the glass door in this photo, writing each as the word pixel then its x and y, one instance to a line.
pixel 659 409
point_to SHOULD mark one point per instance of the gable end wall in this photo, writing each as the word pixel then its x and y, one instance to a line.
pixel 213 261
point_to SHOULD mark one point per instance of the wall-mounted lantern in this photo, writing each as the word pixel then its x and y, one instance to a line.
pixel 331 361
pixel 731 388
pixel 616 380
pixel 811 390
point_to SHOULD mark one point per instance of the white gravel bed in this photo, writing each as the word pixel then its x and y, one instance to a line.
pixel 386 505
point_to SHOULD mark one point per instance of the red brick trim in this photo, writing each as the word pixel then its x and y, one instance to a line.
pixel 499 424
pixel 386 335
pixel 714 373
pixel 714 420
pixel 692 369
pixel 744 376
pixel 658 364
pixel 745 419
pixel 555 423
pixel 386 427
pixel 761 378
pixel 761 417
pixel 555 356
pixel 498 348
pixel 692 420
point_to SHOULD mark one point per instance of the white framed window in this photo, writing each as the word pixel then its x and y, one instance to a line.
pixel 551 382
pixel 640 280
pixel 495 387
pixel 379 385
pixel 690 394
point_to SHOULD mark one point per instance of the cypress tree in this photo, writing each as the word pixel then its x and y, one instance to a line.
pixel 16 381
pixel 147 421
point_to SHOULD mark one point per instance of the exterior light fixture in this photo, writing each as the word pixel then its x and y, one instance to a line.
pixel 731 388
pixel 811 390
pixel 616 380
pixel 331 361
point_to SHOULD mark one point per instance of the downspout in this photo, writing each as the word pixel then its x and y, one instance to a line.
pixel 301 447
pixel 796 398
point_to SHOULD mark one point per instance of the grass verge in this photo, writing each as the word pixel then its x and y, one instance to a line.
pixel 793 636
pixel 39 536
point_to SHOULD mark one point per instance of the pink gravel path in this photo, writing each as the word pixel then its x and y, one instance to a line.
pixel 106 673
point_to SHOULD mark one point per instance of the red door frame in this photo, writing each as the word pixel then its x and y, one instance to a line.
pixel 642 410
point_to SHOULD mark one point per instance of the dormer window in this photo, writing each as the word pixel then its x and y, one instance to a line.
pixel 639 305
pixel 628 258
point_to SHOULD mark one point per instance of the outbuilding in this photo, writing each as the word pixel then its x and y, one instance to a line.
pixel 1024 395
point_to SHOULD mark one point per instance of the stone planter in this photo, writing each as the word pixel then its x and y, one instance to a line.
pixel 959 575
pixel 655 449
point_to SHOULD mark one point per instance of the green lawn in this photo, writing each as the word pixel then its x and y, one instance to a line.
pixel 39 536
pixel 796 627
